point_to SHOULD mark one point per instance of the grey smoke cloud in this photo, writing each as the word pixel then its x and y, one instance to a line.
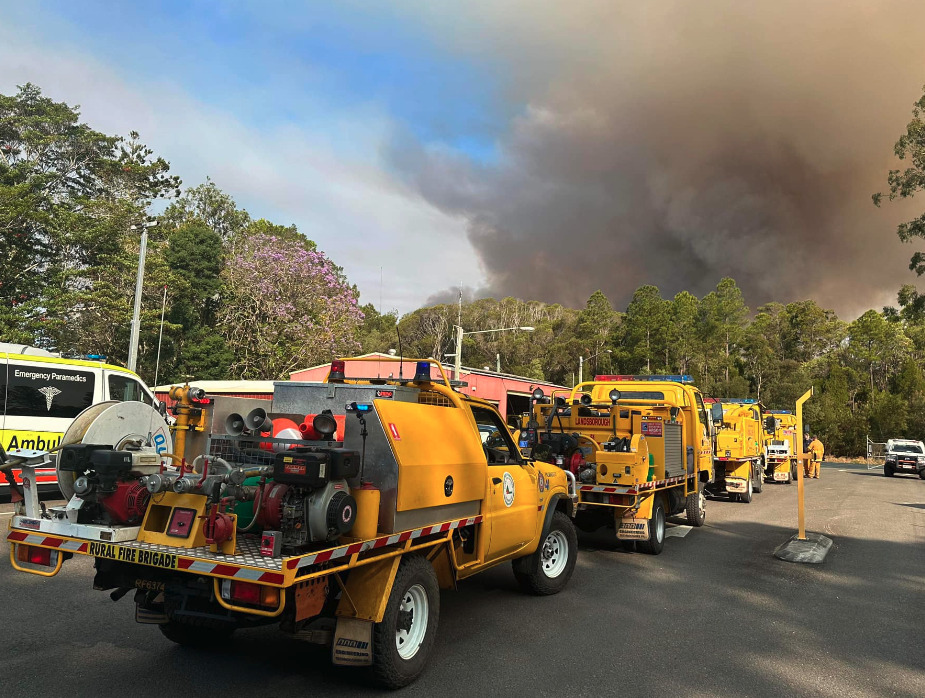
pixel 675 143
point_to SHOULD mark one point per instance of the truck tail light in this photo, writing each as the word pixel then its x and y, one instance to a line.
pixel 250 594
pixel 43 557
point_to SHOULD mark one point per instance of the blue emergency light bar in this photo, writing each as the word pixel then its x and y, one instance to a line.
pixel 359 407
pixel 658 377
pixel 778 412
pixel 739 400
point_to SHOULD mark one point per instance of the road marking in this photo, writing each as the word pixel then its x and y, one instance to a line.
pixel 677 531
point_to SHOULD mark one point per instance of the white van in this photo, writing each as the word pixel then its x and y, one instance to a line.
pixel 41 393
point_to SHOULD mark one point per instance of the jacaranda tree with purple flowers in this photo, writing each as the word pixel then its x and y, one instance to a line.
pixel 287 306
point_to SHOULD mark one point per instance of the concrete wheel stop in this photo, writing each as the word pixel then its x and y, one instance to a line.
pixel 812 550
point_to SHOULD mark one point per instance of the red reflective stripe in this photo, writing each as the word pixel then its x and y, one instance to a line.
pixel 17 536
pixel 184 563
pixel 224 570
pixel 53 542
pixel 272 578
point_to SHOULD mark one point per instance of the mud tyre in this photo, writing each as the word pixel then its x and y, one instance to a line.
pixel 696 509
pixel 656 541
pixel 888 471
pixel 548 570
pixel 403 640
pixel 758 479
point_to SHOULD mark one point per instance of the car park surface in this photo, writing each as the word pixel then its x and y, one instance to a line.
pixel 717 615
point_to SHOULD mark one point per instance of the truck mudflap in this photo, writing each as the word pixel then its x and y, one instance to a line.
pixel 247 564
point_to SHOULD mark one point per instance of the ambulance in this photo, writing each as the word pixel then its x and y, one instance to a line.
pixel 41 393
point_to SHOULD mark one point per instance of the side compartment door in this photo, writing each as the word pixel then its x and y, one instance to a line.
pixel 513 495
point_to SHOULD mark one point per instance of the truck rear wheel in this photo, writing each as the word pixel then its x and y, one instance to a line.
pixel 404 638
pixel 548 570
pixel 696 508
pixel 192 635
pixel 746 496
pixel 758 477
pixel 656 541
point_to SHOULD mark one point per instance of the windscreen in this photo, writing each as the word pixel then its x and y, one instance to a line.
pixel 907 448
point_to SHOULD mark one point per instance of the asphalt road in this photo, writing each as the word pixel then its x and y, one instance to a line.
pixel 714 615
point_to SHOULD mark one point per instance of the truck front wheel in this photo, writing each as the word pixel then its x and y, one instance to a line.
pixel 548 570
pixel 888 470
pixel 404 638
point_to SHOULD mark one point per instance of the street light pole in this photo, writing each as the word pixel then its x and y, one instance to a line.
pixel 581 363
pixel 139 282
pixel 457 367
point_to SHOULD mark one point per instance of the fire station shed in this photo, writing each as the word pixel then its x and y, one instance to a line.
pixel 509 393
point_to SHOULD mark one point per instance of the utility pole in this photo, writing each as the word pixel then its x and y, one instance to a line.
pixel 139 283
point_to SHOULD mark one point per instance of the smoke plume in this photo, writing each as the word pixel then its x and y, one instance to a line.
pixel 675 143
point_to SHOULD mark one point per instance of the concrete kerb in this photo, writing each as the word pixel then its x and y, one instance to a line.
pixel 812 550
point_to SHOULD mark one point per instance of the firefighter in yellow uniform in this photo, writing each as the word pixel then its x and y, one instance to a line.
pixel 816 450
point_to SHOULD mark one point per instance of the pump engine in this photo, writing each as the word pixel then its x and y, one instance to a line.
pixel 105 483
pixel 309 499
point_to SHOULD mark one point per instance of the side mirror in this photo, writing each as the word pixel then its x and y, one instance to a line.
pixel 161 408
pixel 770 424
pixel 716 412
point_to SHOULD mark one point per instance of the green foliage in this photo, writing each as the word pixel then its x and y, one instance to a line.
pixel 906 183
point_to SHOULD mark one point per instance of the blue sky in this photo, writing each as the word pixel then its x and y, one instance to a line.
pixel 334 82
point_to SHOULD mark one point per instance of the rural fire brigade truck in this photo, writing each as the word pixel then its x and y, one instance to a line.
pixel 338 513
pixel 739 448
pixel 781 448
pixel 639 447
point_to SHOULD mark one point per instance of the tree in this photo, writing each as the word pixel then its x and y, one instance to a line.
pixel 725 316
pixel 594 328
pixel 68 197
pixel 644 329
pixel 287 307
pixel 906 183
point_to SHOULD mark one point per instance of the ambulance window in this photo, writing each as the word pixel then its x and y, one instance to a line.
pixel 48 391
pixel 126 389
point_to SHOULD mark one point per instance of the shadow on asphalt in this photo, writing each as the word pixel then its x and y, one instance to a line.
pixel 732 619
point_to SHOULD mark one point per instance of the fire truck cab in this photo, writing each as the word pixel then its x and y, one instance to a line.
pixel 337 511
pixel 639 448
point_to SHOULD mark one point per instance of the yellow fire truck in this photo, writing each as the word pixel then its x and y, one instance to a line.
pixel 342 535
pixel 781 447
pixel 639 448
pixel 739 449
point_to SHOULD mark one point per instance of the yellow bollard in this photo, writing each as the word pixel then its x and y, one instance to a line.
pixel 801 513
